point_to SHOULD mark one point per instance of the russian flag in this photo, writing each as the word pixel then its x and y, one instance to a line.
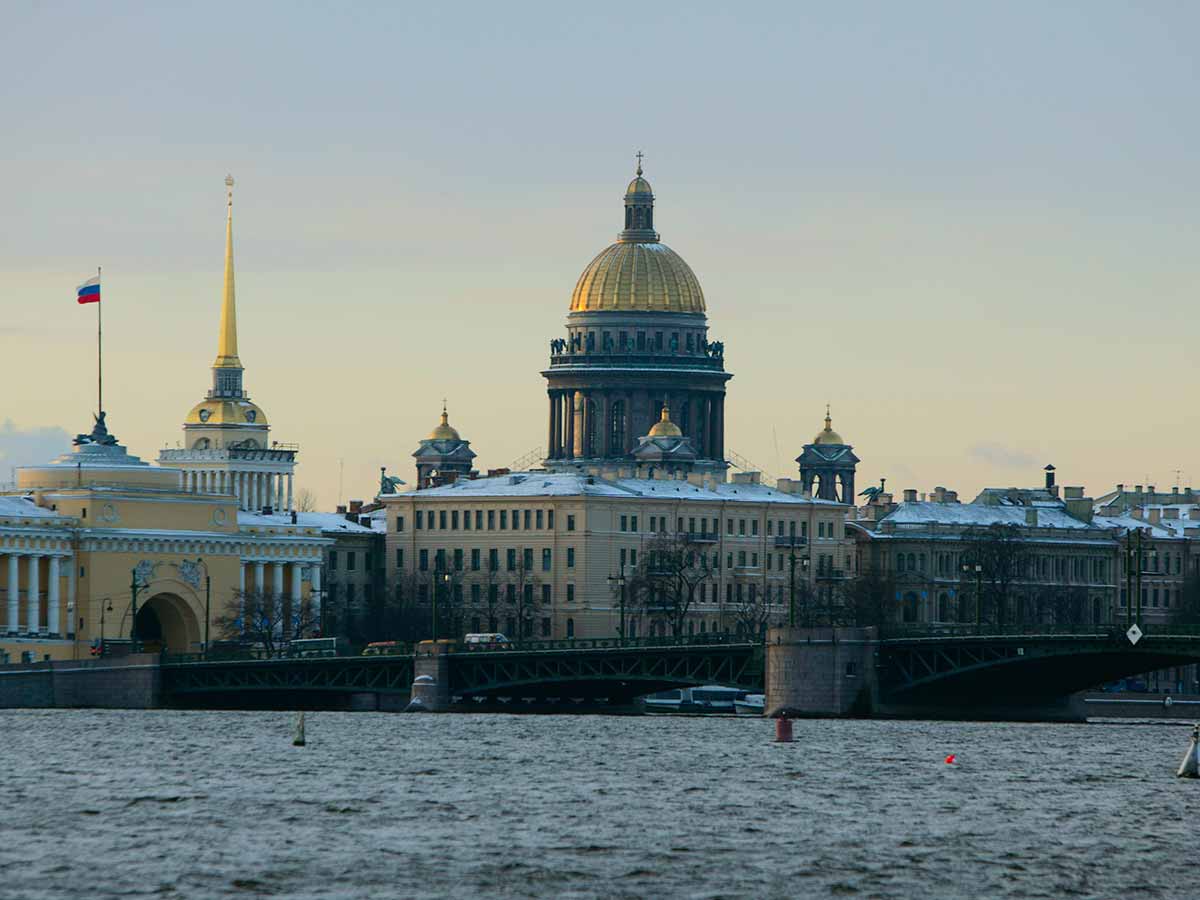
pixel 89 291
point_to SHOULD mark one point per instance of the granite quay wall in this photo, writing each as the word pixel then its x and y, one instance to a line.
pixel 130 682
pixel 821 672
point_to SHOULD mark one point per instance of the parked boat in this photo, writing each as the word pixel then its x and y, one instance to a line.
pixel 709 699
pixel 750 705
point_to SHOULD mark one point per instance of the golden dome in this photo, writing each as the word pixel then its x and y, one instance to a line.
pixel 226 412
pixel 445 431
pixel 639 185
pixel 664 427
pixel 647 277
pixel 828 435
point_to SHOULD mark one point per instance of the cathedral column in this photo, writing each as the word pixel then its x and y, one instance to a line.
pixel 53 576
pixel 277 579
pixel 290 500
pixel 33 597
pixel 604 404
pixel 279 491
pixel 720 428
pixel 255 506
pixel 294 607
pixel 573 424
pixel 629 437
pixel 259 579
pixel 550 434
pixel 14 593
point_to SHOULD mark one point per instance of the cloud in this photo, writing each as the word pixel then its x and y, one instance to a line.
pixel 996 454
pixel 29 447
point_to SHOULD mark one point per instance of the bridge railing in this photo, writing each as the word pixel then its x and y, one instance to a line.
pixel 985 630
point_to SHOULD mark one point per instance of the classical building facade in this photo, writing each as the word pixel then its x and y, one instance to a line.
pixel 636 341
pixel 225 436
pixel 539 553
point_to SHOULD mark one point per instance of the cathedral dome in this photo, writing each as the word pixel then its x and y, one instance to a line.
pixel 648 277
pixel 827 435
pixel 664 427
pixel 226 412
pixel 444 431
pixel 639 185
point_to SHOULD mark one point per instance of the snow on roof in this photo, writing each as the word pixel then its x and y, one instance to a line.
pixel 967 514
pixel 570 484
pixel 1165 528
pixel 329 523
pixel 24 508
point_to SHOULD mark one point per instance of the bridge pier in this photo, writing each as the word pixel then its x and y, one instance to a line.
pixel 431 677
pixel 821 672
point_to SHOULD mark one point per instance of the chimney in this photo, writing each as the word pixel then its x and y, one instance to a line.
pixel 1049 470
pixel 1155 515
pixel 1031 515
pixel 1120 488
pixel 910 495
pixel 1136 512
pixel 1150 489
pixel 1171 512
pixel 341 509
pixel 355 507
pixel 293 517
pixel 1137 488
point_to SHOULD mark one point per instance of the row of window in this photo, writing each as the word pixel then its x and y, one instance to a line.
pixel 458 561
pixel 659 524
pixel 485 520
pixel 1091 569
pixel 496 593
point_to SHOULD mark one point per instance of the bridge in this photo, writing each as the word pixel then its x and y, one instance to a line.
pixel 608 672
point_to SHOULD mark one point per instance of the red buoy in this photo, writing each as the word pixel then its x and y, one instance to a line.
pixel 783 730
pixel 950 759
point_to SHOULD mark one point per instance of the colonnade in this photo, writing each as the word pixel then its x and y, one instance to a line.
pixel 601 423
pixel 254 490
pixel 34 594
pixel 286 580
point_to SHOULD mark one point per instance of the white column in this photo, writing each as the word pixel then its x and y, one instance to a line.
pixel 14 593
pixel 33 598
pixel 241 578
pixel 267 489
pixel 277 579
pixel 52 579
pixel 315 594
pixel 259 573
pixel 279 493
pixel 72 592
pixel 239 482
pixel 254 504
pixel 297 569
pixel 289 492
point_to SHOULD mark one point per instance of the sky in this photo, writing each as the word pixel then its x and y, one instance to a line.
pixel 970 228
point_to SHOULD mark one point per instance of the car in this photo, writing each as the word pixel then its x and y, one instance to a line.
pixel 494 640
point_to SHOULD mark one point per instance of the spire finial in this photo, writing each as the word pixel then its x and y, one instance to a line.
pixel 639 155
pixel 666 412
pixel 229 189
pixel 445 414
pixel 828 419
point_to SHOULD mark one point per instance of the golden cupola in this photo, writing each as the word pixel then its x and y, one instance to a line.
pixel 444 430
pixel 638 273
pixel 827 435
pixel 664 427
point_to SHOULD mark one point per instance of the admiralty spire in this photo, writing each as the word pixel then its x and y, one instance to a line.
pixel 636 343
pixel 225 436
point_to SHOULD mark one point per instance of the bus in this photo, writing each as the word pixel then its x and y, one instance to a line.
pixel 307 648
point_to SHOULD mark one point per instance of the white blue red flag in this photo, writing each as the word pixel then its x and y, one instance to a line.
pixel 89 291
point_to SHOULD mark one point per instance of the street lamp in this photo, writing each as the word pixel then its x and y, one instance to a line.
pixel 619 581
pixel 977 568
pixel 105 604
pixel 443 579
pixel 207 602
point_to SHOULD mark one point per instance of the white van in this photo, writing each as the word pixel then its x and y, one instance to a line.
pixel 496 640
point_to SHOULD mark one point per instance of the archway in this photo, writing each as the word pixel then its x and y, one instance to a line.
pixel 166 621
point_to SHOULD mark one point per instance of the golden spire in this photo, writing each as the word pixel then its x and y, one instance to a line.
pixel 828 420
pixel 227 348
pixel 639 161
pixel 444 431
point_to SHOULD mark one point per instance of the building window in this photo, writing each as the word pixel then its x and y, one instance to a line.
pixel 622 559
pixel 729 526
pixel 439 562
pixel 570 628
pixel 545 627
pixel 570 523
pixel 633 557
pixel 399 523
pixel 458 559
pixel 624 523
pixel 332 560
pixel 741 527
pixel 475 592
pixel 527 559
pixel 493 559
pixel 420 519
pixel 516 520
pixel 570 557
pixel 454 520
pixel 633 523
pixel 475 559
pixel 423 563
pixel 504 520
pixel 511 593
pixel 550 519
pixel 491 519
pixel 510 559
pixel 442 519
pixel 654 524
pixel 754 527
pixel 349 560
pixel 466 520
pixel 570 593
pixel 539 520
pixel 528 513
pixel 399 557
pixel 547 557
pixel 546 594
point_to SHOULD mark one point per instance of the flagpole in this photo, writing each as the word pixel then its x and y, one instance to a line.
pixel 99 355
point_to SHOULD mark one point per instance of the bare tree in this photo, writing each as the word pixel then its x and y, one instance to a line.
pixel 869 599
pixel 306 501
pixel 525 598
pixel 665 583
pixel 1003 553
pixel 755 611
pixel 1187 610
pixel 265 619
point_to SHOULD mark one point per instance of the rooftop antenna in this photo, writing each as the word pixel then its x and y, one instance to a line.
pixel 341 471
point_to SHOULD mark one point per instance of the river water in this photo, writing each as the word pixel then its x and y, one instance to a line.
pixel 107 804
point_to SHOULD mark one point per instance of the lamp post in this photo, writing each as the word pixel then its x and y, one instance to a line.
pixel 619 581
pixel 105 604
pixel 976 568
pixel 133 592
pixel 443 578
pixel 207 601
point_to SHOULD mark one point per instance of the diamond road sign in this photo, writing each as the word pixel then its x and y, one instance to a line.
pixel 1134 634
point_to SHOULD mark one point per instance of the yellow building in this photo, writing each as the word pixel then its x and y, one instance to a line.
pixel 98 536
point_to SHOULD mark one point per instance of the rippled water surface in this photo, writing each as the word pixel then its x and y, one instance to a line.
pixel 219 804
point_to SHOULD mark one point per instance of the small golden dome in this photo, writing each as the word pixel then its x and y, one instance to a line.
pixel 639 185
pixel 828 435
pixel 664 427
pixel 445 431
pixel 643 277
pixel 226 412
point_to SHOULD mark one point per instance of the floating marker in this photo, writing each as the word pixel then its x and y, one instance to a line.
pixel 950 759
pixel 298 739
pixel 783 730
pixel 1190 767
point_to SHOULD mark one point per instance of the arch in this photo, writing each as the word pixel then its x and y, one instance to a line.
pixel 570 628
pixel 166 621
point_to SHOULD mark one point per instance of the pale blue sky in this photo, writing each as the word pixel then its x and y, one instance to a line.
pixel 971 228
